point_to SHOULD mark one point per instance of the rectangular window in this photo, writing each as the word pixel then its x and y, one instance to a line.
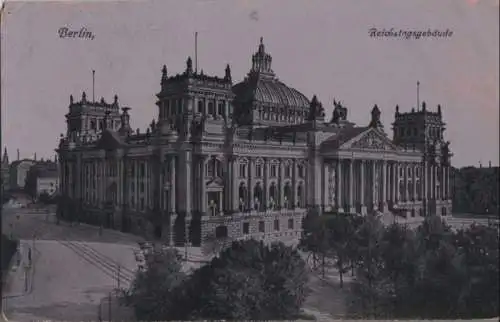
pixel 258 170
pixel 300 170
pixel 288 171
pixel 262 226
pixel 142 187
pixel 277 224
pixel 142 204
pixel 143 170
pixel 274 170
pixel 246 228
pixel 243 170
pixel 290 223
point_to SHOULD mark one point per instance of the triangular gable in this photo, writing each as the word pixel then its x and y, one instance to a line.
pixel 216 183
pixel 371 139
pixel 109 141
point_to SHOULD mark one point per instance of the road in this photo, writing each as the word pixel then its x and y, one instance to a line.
pixel 73 268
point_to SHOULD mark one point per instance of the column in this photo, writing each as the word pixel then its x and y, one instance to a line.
pixel 326 190
pixel 384 184
pixel 235 184
pixel 351 185
pixel 426 180
pixel 405 181
pixel 294 184
pixel 374 185
pixel 173 190
pixel 187 182
pixel 203 186
pixel 266 182
pixel 414 178
pixel 250 183
pixel 432 183
pixel 362 184
pixel 282 183
pixel 447 181
pixel 338 189
pixel 396 182
pixel 436 180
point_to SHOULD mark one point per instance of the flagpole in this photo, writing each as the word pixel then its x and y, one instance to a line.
pixel 196 52
pixel 93 86
pixel 418 96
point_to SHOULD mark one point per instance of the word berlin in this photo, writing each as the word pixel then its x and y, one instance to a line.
pixel 65 32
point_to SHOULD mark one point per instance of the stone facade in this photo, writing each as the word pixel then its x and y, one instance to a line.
pixel 244 160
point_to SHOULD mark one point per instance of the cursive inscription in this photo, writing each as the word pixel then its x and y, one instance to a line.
pixel 82 33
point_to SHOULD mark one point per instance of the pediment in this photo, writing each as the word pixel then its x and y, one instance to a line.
pixel 215 183
pixel 371 139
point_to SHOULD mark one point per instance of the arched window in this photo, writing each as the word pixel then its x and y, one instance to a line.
pixel 288 196
pixel 257 192
pixel 210 168
pixel 211 109
pixel 201 107
pixel 242 196
pixel 300 196
pixel 259 170
pixel 221 109
pixel 288 170
pixel 273 196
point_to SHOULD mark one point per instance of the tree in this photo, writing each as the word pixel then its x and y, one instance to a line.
pixel 213 245
pixel 153 291
pixel 314 237
pixel 368 239
pixel 248 280
pixel 340 235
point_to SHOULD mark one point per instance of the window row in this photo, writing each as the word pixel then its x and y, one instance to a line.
pixel 273 170
pixel 262 226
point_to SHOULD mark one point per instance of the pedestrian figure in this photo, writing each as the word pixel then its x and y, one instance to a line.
pixel 29 255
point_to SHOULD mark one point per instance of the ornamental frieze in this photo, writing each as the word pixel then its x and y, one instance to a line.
pixel 371 141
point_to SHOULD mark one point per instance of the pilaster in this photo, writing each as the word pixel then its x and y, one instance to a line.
pixel 203 184
pixel 339 201
pixel 363 187
pixel 351 205
pixel 251 164
pixel 234 184
pixel 282 183
pixel 374 185
pixel 173 185
pixel 384 185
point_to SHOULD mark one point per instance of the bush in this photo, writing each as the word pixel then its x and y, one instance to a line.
pixel 248 280
pixel 152 294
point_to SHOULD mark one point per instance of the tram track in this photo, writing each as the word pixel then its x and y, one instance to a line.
pixel 104 263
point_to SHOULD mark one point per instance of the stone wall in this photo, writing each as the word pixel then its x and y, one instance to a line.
pixel 255 220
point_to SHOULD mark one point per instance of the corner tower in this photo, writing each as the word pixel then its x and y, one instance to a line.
pixel 86 118
pixel 418 128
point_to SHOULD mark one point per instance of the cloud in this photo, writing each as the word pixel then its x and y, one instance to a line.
pixel 254 15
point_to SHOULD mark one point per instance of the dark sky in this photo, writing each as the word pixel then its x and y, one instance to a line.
pixel 320 47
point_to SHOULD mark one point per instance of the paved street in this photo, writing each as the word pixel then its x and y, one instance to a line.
pixel 73 268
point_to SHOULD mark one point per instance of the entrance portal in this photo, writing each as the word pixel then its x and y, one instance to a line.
pixel 221 232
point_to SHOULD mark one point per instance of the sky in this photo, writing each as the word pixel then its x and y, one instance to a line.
pixel 320 47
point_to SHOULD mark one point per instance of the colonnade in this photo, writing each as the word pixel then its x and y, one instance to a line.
pixel 360 185
pixel 349 185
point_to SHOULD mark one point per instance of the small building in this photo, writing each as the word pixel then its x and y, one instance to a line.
pixel 43 177
pixel 5 171
pixel 18 172
pixel 47 182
